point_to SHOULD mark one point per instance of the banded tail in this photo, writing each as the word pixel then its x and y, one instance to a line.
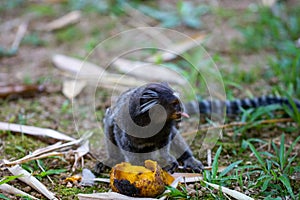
pixel 235 106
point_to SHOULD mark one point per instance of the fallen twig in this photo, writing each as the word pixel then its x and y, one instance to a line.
pixel 209 157
pixel 234 124
pixel 19 36
pixel 50 151
pixel 20 90
pixel 66 20
pixel 30 158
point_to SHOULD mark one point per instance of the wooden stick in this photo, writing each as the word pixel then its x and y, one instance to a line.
pixel 26 159
pixel 267 121
pixel 19 36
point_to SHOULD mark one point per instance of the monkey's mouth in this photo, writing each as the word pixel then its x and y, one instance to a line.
pixel 179 115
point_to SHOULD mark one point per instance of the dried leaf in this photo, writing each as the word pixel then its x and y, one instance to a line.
pixel 109 196
pixel 71 88
pixel 31 181
pixel 76 66
pixel 104 180
pixel 233 193
pixel 12 190
pixel 80 152
pixel 268 3
pixel 66 20
pixel 177 49
pixel 42 152
pixel 148 71
pixel 36 131
pixel 94 74
pixel 188 177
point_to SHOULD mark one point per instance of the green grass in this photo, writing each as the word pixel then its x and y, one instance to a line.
pixel 107 7
pixel 277 33
pixel 42 10
pixel 18 145
pixel 273 170
pixel 69 34
pixel 269 174
pixel 33 39
pixel 10 4
pixel 185 13
pixel 175 193
pixel 8 178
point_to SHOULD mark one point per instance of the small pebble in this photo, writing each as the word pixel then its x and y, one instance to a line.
pixel 27 189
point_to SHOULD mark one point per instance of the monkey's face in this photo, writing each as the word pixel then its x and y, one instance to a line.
pixel 161 94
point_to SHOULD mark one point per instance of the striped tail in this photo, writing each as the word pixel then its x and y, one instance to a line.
pixel 236 106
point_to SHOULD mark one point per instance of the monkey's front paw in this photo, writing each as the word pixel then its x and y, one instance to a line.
pixel 193 164
pixel 100 168
pixel 171 167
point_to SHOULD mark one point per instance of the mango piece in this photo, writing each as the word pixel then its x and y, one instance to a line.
pixel 139 181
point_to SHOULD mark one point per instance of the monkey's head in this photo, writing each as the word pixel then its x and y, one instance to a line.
pixel 160 94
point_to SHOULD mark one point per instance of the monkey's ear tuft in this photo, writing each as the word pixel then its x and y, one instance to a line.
pixel 148 105
pixel 148 99
pixel 149 94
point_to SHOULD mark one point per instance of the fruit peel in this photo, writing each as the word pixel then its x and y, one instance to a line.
pixel 139 181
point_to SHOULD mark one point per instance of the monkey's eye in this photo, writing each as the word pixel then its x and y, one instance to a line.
pixel 175 102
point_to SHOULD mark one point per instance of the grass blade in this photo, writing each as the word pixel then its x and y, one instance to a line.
pixel 281 152
pixel 275 148
pixel 9 178
pixel 294 112
pixel 286 182
pixel 291 148
pixel 2 196
pixel 266 183
pixel 230 167
pixel 215 163
pixel 257 155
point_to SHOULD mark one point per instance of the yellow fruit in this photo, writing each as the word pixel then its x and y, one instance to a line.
pixel 148 181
